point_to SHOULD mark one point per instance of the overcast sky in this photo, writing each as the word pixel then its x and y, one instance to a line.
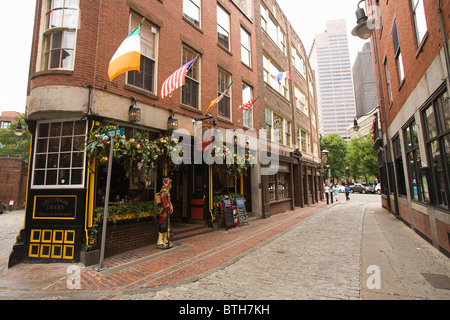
pixel 16 27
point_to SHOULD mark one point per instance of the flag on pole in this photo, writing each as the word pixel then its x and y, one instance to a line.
pixel 282 76
pixel 176 80
pixel 248 105
pixel 219 98
pixel 127 56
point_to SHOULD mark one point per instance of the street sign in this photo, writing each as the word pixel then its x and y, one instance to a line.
pixel 115 132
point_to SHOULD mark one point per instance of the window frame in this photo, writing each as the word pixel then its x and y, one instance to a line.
pixel 193 75
pixel 58 153
pixel 152 60
pixel 244 50
pixel 222 85
pixel 48 36
pixel 226 29
pixel 190 4
pixel 420 34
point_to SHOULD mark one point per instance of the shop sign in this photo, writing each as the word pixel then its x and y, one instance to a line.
pixel 54 207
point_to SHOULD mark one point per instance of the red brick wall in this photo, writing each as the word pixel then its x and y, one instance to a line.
pixel 416 60
pixel 104 25
pixel 125 236
pixel 13 177
pixel 422 223
pixel 443 230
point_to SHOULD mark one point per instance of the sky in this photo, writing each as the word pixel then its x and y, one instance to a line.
pixel 307 17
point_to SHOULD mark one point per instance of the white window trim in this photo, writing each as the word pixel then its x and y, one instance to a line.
pixel 56 186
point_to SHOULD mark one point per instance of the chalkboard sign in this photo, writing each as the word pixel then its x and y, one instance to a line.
pixel 227 207
pixel 240 203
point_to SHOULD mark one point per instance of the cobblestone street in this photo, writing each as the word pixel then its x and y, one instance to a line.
pixel 319 253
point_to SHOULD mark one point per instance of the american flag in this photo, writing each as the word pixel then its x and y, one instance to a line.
pixel 247 105
pixel 176 80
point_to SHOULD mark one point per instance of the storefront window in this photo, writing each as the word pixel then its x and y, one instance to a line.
pixel 401 186
pixel 437 116
pixel 59 154
pixel 414 159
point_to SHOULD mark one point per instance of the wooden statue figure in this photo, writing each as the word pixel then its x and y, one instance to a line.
pixel 165 210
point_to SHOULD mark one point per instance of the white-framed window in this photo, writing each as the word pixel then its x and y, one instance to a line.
pixel 397 52
pixel 274 122
pixel 247 95
pixel 275 32
pixel 146 78
pixel 271 70
pixel 59 156
pixel 61 23
pixel 420 19
pixel 223 27
pixel 224 105
pixel 298 62
pixel 388 81
pixel 192 11
pixel 191 90
pixel 300 100
pixel 245 47
pixel 304 140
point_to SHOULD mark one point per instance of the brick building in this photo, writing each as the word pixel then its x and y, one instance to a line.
pixel 70 94
pixel 13 174
pixel 411 59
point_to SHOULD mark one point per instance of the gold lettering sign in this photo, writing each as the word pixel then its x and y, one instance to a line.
pixel 55 207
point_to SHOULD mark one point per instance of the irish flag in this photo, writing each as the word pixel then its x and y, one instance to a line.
pixel 128 56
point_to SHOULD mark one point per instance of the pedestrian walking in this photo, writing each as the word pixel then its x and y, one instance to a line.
pixel 326 189
pixel 347 193
pixel 336 192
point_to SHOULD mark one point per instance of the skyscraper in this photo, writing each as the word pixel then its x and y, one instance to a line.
pixel 364 81
pixel 330 58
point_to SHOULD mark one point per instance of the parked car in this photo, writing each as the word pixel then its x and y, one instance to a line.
pixel 361 188
pixel 378 188
pixel 2 207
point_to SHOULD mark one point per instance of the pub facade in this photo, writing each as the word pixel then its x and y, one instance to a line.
pixel 72 104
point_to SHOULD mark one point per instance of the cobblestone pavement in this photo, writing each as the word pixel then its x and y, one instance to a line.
pixel 10 225
pixel 317 259
pixel 316 253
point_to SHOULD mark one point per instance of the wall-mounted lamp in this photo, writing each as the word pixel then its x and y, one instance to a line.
pixel 172 122
pixel 19 130
pixel 361 30
pixel 134 112
pixel 355 124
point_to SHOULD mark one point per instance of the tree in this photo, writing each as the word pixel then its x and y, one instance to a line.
pixel 362 158
pixel 337 148
pixel 13 145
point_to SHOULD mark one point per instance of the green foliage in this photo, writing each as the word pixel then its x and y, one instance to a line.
pixel 12 145
pixel 362 158
pixel 337 148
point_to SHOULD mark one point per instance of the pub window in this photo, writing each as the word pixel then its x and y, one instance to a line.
pixel 192 11
pixel 413 159
pixel 60 34
pixel 279 184
pixel 191 89
pixel 287 133
pixel 278 125
pixel 224 105
pixel 223 27
pixel 145 79
pixel 437 122
pixel 268 121
pixel 300 100
pixel 59 158
pixel 398 159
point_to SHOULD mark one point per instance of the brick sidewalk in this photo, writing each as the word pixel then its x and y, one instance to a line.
pixel 149 267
